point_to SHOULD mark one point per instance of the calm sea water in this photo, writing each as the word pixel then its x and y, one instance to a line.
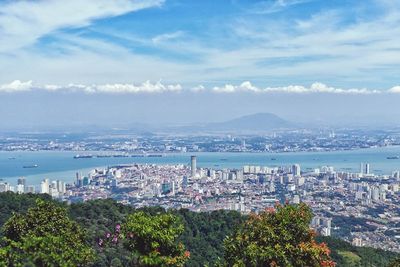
pixel 61 164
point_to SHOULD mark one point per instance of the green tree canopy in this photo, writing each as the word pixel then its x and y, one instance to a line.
pixel 277 237
pixel 153 239
pixel 44 236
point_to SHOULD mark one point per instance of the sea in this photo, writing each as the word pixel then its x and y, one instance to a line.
pixel 61 165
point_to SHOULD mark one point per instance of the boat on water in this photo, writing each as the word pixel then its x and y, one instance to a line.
pixel 30 166
pixel 83 156
pixel 154 155
pixel 11 158
pixel 393 157
pixel 273 158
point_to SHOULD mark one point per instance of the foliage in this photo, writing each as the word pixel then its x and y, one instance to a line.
pixel 367 256
pixel 99 218
pixel 395 263
pixel 278 237
pixel 203 234
pixel 44 236
pixel 11 202
pixel 153 238
pixel 350 258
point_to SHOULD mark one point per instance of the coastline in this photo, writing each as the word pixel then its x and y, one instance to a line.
pixel 61 164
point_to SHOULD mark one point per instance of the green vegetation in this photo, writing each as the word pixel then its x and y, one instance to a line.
pixel 280 237
pixel 367 256
pixel 44 236
pixel 350 258
pixel 153 239
pixel 203 233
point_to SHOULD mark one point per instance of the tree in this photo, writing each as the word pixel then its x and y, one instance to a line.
pixel 277 237
pixel 153 239
pixel 395 263
pixel 44 236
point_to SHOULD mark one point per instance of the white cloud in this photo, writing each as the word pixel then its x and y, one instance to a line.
pixel 148 87
pixel 395 89
pixel 118 88
pixel 292 89
pixel 16 86
pixel 199 88
pixel 24 22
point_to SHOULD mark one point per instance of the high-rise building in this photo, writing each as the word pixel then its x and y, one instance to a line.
pixel 20 189
pixel 366 169
pixel 30 189
pixel 45 186
pixel 21 181
pixel 296 171
pixel 61 187
pixel 21 184
pixel 193 165
pixel 4 187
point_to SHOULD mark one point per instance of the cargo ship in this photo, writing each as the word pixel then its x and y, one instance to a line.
pixel 30 166
pixel 83 157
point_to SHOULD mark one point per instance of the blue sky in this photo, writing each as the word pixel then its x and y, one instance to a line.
pixel 207 48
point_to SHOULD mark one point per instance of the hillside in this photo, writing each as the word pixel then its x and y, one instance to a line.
pixel 203 235
pixel 254 122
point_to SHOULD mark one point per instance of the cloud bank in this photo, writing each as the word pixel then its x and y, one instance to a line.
pixel 148 87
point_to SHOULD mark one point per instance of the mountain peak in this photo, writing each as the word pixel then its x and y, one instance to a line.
pixel 253 122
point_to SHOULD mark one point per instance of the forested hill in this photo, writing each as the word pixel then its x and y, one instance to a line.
pixel 203 232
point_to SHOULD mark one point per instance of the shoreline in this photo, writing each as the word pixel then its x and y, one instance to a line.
pixel 59 164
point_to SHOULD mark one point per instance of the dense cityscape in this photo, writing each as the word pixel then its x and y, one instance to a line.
pixel 293 140
pixel 358 207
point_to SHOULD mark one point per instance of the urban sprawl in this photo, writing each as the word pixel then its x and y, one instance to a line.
pixel 361 208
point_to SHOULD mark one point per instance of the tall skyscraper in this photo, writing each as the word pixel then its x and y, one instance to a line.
pixel 296 171
pixel 193 165
pixel 366 168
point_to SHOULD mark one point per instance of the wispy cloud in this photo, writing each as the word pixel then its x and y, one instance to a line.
pixel 272 6
pixel 24 22
pixel 334 45
pixel 159 87
pixel 167 36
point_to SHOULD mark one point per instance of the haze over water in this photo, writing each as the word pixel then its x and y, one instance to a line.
pixel 61 164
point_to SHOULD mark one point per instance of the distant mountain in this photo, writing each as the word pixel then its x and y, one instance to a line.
pixel 259 122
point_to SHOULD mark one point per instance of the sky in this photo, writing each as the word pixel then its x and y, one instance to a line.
pixel 101 62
